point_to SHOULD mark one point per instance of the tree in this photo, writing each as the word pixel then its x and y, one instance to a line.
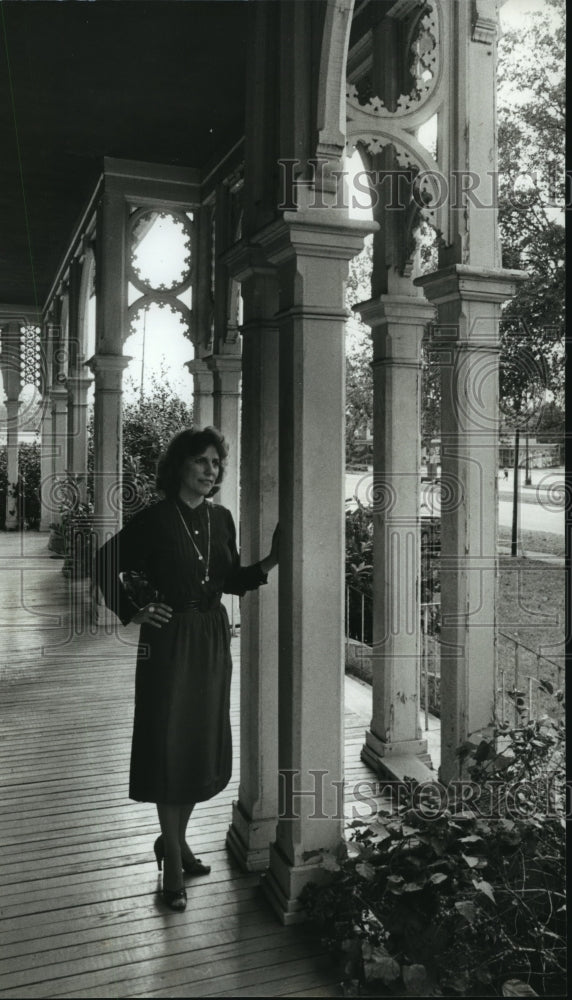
pixel 150 423
pixel 531 202
pixel 359 375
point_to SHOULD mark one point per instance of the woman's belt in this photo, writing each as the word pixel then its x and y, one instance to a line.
pixel 204 604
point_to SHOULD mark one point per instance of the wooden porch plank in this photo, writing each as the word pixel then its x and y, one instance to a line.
pixel 81 914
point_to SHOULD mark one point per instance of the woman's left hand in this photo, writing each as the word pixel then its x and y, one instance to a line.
pixel 272 559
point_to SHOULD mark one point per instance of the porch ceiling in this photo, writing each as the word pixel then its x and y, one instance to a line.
pixel 154 81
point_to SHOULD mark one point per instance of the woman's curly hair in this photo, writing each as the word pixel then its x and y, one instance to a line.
pixel 187 444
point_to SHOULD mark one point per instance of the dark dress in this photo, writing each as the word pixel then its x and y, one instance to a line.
pixel 181 750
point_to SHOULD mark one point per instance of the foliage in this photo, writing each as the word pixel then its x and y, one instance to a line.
pixel 359 566
pixel 447 893
pixel 74 530
pixel 150 423
pixel 359 395
pixel 28 486
pixel 531 201
pixel 148 426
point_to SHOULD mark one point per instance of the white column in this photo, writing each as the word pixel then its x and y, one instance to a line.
pixel 77 430
pixel 10 362
pixel 202 392
pixel 226 371
pixel 254 815
pixel 312 248
pixel 12 412
pixel 469 305
pixel 108 441
pixel 49 507
pixel 59 402
pixel 393 745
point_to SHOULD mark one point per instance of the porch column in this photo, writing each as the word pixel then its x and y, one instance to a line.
pixel 312 248
pixel 226 418
pixel 59 401
pixel 469 305
pixel 226 370
pixel 108 440
pixel 254 815
pixel 49 508
pixel 77 431
pixel 10 361
pixel 393 745
pixel 12 426
pixel 202 392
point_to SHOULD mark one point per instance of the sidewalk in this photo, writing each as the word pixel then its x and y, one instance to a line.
pixel 547 557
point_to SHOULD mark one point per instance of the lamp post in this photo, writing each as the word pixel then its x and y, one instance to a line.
pixel 527 479
pixel 514 542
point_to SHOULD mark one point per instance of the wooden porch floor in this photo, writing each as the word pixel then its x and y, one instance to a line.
pixel 81 914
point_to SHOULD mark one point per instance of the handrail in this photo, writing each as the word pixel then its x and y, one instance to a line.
pixel 518 645
pixel 530 650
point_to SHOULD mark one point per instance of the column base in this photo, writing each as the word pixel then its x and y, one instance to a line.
pixel 396 761
pixel 248 840
pixel 284 882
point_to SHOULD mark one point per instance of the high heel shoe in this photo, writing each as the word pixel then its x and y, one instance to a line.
pixel 194 867
pixel 159 852
pixel 176 899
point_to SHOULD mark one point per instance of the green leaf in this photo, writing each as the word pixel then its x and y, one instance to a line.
pixel 395 883
pixel 470 860
pixel 467 910
pixel 546 686
pixel 415 980
pixel 366 871
pixel 381 966
pixel 414 886
pixel 437 878
pixel 330 864
pixel 486 888
pixel 516 988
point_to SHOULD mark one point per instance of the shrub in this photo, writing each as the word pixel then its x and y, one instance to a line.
pixel 28 486
pixel 458 898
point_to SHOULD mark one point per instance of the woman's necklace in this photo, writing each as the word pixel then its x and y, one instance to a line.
pixel 201 558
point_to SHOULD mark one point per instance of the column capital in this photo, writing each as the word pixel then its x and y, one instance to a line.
pixel 246 259
pixel 108 370
pixel 103 363
pixel 59 394
pixel 403 310
pixel 198 366
pixel 227 370
pixel 314 232
pixel 79 382
pixel 465 283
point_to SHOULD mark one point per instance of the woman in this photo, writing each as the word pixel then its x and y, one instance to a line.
pixel 166 571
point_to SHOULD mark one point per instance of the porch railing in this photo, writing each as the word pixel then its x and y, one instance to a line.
pixel 359 609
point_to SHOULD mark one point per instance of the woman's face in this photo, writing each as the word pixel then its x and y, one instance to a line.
pixel 199 474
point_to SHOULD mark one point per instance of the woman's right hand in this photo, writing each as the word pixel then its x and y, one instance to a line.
pixel 155 613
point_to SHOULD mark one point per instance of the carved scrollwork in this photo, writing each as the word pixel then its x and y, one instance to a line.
pixel 31 356
pixel 423 59
pixel 179 277
pixel 160 301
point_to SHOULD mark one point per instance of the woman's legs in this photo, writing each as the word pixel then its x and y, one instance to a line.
pixel 169 818
pixel 184 817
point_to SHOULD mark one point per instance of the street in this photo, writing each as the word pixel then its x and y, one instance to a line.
pixel 541 507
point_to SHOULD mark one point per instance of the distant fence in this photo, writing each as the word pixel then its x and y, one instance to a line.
pixel 523 688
